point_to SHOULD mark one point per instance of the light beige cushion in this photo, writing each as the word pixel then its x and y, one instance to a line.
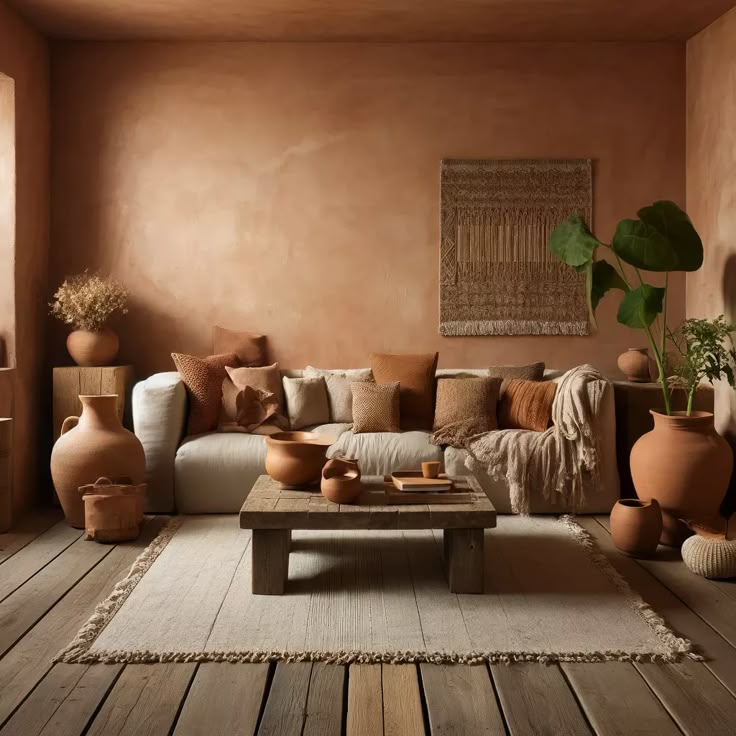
pixel 339 394
pixel 529 372
pixel 306 401
pixel 376 407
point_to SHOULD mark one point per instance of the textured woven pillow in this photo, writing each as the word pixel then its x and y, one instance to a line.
pixel 203 379
pixel 248 346
pixel 266 378
pixel 529 372
pixel 306 401
pixel 415 374
pixel 461 399
pixel 339 395
pixel 527 405
pixel 376 407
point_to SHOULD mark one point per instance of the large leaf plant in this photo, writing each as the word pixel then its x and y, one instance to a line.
pixel 661 240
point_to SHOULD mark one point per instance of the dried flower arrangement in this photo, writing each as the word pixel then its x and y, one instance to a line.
pixel 87 301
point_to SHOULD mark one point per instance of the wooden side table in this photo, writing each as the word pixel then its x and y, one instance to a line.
pixel 70 382
pixel 633 402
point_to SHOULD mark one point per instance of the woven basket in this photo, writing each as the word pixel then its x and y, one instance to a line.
pixel 113 512
pixel 711 558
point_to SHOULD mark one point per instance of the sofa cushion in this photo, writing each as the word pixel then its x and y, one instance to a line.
pixel 380 453
pixel 375 407
pixel 250 347
pixel 306 401
pixel 529 372
pixel 339 395
pixel 266 378
pixel 527 405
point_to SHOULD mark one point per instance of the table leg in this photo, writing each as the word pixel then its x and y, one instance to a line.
pixel 270 554
pixel 465 566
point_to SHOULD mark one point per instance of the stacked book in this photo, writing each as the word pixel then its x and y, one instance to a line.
pixel 410 486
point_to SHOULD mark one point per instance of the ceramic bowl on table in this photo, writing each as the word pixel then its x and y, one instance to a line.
pixel 295 459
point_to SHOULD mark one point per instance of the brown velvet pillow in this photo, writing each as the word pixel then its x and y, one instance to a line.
pixel 248 346
pixel 529 372
pixel 415 375
pixel 250 408
pixel 266 378
pixel 376 407
pixel 461 399
pixel 203 378
pixel 527 405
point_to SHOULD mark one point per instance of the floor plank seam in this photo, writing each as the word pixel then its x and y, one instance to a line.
pixel 578 701
pixel 266 693
pixel 184 697
pixel 497 696
pixel 102 700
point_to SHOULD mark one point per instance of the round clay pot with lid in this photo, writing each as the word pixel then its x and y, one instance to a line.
pixel 341 480
pixel 634 364
pixel 89 348
pixel 296 459
pixel 636 526
pixel 686 466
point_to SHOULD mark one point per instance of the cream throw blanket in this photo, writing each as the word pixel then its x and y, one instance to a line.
pixel 562 460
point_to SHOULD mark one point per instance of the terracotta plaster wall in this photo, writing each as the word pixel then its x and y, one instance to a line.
pixel 711 181
pixel 24 58
pixel 293 189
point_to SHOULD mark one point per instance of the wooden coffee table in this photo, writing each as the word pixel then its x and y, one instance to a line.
pixel 272 514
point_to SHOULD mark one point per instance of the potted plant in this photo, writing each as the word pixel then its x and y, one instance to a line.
pixel 87 302
pixel 660 241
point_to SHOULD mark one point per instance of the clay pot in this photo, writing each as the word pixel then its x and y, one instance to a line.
pixel 431 469
pixel 341 480
pixel 634 364
pixel 113 512
pixel 685 465
pixel 92 446
pixel 295 459
pixel 93 348
pixel 636 526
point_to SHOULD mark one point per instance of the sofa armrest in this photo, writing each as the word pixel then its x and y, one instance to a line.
pixel 159 413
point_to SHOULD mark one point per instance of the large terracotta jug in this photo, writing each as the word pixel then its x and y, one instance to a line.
pixel 92 446
pixel 686 466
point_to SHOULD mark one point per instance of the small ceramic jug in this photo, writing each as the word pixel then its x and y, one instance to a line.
pixel 636 526
pixel 341 480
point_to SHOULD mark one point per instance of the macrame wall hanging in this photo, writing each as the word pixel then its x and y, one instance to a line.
pixel 497 274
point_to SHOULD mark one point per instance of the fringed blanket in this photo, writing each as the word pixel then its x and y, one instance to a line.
pixel 563 460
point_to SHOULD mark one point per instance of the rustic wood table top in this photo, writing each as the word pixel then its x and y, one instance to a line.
pixel 270 507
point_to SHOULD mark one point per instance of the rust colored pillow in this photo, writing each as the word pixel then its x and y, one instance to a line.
pixel 529 372
pixel 415 376
pixel 248 346
pixel 376 407
pixel 527 405
pixel 250 408
pixel 462 399
pixel 203 378
pixel 266 378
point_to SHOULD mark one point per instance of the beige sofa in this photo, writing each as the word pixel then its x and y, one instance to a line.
pixel 212 473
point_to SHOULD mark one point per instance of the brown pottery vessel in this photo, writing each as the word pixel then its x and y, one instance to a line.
pixel 636 526
pixel 295 459
pixel 634 364
pixel 93 348
pixel 341 480
pixel 685 465
pixel 113 512
pixel 92 446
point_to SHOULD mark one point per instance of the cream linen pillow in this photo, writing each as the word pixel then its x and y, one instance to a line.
pixel 306 401
pixel 339 395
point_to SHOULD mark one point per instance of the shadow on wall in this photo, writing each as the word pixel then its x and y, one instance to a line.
pixel 725 396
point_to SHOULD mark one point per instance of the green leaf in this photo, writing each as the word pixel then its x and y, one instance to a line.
pixel 640 306
pixel 643 246
pixel 604 277
pixel 573 243
pixel 673 224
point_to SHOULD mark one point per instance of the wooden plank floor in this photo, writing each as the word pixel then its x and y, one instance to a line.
pixel 51 579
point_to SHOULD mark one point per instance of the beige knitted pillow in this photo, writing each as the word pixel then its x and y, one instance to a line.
pixel 376 407
pixel 306 402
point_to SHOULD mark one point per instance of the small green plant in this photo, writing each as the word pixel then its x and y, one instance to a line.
pixel 661 240
pixel 706 351
pixel 87 301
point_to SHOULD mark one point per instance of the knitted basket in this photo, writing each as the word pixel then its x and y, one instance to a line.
pixel 711 558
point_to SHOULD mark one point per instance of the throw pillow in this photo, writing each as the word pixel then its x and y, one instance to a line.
pixel 415 375
pixel 248 346
pixel 376 407
pixel 203 379
pixel 266 378
pixel 339 395
pixel 306 401
pixel 529 372
pixel 250 408
pixel 462 399
pixel 527 405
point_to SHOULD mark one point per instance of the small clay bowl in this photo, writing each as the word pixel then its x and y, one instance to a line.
pixel 431 469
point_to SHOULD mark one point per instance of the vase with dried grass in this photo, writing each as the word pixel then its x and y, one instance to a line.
pixel 87 302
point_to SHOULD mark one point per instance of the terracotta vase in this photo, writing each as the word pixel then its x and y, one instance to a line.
pixel 636 526
pixel 634 364
pixel 93 348
pixel 295 459
pixel 685 465
pixel 341 480
pixel 92 446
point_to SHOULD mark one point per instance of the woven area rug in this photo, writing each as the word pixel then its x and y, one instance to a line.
pixel 497 274
pixel 374 597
